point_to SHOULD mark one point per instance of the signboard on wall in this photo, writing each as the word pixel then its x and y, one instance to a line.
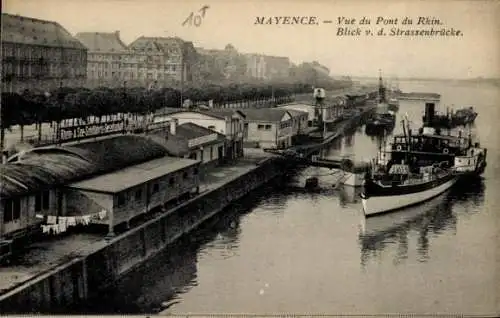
pixel 76 132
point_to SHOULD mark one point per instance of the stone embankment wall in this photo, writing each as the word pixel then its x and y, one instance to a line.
pixel 80 278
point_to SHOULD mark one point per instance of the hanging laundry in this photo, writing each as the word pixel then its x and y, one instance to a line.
pixel 39 216
pixel 45 229
pixel 62 227
pixel 78 220
pixel 86 219
pixel 51 219
pixel 52 229
pixel 71 221
pixel 102 214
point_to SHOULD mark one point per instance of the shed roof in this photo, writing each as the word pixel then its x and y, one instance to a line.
pixel 297 113
pixel 40 168
pixel 192 131
pixel 216 113
pixel 264 114
pixel 115 182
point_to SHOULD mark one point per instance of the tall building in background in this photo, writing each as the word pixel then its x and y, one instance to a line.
pixel 323 70
pixel 277 66
pixel 39 54
pixel 223 64
pixel 256 66
pixel 267 67
pixel 164 58
pixel 108 59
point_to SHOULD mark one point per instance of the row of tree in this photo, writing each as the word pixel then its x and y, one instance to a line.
pixel 32 107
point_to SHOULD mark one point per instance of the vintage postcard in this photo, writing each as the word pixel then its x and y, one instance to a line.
pixel 253 157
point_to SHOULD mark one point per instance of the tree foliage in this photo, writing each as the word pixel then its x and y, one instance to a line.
pixel 34 107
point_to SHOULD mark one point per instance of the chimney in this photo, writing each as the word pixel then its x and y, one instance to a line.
pixel 429 114
pixel 173 126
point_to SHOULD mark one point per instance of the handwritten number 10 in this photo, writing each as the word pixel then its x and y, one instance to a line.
pixel 195 20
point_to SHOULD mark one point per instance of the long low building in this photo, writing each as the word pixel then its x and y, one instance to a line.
pixel 40 187
pixel 123 195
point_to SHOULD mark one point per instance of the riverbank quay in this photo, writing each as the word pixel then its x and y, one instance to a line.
pixel 68 270
pixel 65 271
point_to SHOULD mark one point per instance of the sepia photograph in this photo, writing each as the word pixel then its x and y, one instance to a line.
pixel 250 158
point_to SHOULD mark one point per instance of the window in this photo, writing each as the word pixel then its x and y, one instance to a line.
pixel 260 127
pixel 171 181
pixel 121 199
pixel 195 172
pixel 185 175
pixel 268 127
pixel 42 201
pixel 211 153
pixel 45 200
pixel 12 210
pixel 156 187
pixel 138 195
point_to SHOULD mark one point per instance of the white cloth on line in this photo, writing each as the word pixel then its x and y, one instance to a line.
pixel 51 219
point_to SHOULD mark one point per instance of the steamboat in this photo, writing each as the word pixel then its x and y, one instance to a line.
pixel 430 146
pixel 383 119
pixel 419 168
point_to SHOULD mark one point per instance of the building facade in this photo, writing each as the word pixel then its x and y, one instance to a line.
pixel 256 66
pixel 226 64
pixel 164 58
pixel 267 67
pixel 268 128
pixel 226 122
pixel 108 58
pixel 40 54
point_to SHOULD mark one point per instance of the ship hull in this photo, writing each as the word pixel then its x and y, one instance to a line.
pixel 383 203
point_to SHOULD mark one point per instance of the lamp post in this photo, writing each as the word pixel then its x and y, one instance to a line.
pixel 124 100
pixel 59 119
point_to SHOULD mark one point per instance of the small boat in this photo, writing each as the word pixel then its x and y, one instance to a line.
pixel 380 122
pixel 450 119
pixel 403 186
pixel 464 116
pixel 393 104
pixel 383 118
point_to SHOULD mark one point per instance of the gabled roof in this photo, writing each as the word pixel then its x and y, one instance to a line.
pixel 102 42
pixel 297 113
pixel 161 44
pixel 25 30
pixel 192 131
pixel 224 112
pixel 216 113
pixel 265 114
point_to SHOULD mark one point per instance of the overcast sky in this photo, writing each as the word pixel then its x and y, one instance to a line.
pixel 476 53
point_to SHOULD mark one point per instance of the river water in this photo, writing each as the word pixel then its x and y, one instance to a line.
pixel 284 249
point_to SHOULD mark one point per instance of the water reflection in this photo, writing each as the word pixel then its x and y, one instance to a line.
pixel 160 282
pixel 429 219
pixel 349 194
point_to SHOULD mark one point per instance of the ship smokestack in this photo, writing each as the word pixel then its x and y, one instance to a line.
pixel 429 114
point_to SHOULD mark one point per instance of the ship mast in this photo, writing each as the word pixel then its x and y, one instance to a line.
pixel 381 88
